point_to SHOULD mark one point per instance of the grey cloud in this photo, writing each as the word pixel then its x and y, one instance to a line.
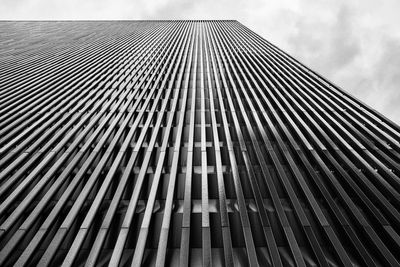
pixel 345 46
pixel 326 46
pixel 363 61
pixel 384 83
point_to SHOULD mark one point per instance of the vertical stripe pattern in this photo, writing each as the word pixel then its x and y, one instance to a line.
pixel 185 143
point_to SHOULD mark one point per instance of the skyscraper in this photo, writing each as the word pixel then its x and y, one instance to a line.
pixel 186 143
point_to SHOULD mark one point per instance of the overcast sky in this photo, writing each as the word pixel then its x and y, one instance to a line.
pixel 355 44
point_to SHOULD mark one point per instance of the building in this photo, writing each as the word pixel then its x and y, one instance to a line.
pixel 186 143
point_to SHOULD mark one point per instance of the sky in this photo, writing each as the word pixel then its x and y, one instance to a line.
pixel 355 44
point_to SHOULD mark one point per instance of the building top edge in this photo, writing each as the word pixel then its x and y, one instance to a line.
pixel 153 20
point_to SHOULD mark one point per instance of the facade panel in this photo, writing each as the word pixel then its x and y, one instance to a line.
pixel 185 143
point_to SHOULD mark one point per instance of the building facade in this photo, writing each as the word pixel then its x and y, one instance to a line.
pixel 185 143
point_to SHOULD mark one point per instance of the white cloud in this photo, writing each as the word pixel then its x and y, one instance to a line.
pixel 356 44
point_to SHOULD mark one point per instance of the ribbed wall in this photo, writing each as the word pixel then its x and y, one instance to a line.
pixel 185 143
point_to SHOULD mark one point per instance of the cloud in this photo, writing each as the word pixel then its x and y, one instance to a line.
pixel 382 86
pixel 329 46
pixel 356 43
